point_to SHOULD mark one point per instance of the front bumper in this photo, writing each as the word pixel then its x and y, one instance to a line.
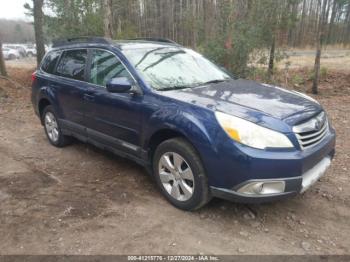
pixel 292 186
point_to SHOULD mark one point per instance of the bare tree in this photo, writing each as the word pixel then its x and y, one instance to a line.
pixel 302 23
pixel 319 43
pixel 3 71
pixel 331 23
pixel 346 33
pixel 38 27
pixel 108 18
pixel 68 14
pixel 272 57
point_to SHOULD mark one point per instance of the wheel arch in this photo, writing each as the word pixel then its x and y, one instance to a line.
pixel 164 125
pixel 195 161
pixel 43 103
pixel 160 136
pixel 167 133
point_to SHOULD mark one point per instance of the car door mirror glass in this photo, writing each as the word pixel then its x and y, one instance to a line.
pixel 119 85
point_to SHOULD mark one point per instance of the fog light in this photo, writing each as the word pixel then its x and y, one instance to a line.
pixel 262 188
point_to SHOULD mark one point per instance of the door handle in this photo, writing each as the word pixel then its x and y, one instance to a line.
pixel 88 97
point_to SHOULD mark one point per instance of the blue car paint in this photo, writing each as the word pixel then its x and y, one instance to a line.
pixel 190 112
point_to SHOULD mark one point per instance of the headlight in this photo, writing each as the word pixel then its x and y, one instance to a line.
pixel 251 134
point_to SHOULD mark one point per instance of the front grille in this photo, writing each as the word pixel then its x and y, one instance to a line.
pixel 312 131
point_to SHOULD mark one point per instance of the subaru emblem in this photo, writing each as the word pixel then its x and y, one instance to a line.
pixel 317 124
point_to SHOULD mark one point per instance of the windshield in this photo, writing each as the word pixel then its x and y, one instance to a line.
pixel 167 68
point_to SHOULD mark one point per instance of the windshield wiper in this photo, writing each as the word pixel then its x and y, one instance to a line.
pixel 216 81
pixel 174 88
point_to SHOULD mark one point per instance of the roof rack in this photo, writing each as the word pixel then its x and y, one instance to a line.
pixel 78 40
pixel 155 39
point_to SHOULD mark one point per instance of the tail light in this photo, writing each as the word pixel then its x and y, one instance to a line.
pixel 33 77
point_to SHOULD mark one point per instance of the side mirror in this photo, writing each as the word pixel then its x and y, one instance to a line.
pixel 119 85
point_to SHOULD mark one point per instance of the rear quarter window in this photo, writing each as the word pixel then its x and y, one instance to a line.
pixel 72 64
pixel 50 62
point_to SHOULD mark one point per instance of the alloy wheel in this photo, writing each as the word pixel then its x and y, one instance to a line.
pixel 176 176
pixel 51 127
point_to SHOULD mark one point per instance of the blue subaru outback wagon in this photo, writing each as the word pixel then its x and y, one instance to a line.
pixel 200 131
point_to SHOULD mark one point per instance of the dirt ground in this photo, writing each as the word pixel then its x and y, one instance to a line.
pixel 81 200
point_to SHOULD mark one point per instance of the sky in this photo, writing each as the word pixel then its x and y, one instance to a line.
pixel 13 9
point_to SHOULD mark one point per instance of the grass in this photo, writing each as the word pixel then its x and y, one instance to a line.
pixel 330 63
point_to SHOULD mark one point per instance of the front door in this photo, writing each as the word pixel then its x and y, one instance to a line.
pixel 113 119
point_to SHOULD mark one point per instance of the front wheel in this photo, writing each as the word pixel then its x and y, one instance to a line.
pixel 180 175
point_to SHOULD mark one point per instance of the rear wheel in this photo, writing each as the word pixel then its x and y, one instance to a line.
pixel 180 174
pixel 52 128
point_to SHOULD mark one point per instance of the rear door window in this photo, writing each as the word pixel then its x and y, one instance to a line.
pixel 50 62
pixel 72 64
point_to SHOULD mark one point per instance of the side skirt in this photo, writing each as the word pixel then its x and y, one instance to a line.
pixel 105 142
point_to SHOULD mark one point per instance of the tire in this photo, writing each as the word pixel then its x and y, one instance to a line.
pixel 11 57
pixel 52 129
pixel 174 178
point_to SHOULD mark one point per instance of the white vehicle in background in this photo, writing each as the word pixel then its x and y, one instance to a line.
pixel 10 54
pixel 17 51
pixel 48 48
pixel 19 47
pixel 30 50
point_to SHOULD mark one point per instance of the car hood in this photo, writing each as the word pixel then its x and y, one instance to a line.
pixel 250 100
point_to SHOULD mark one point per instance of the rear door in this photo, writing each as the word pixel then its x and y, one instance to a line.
pixel 70 87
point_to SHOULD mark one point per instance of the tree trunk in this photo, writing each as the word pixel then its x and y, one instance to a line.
pixel 319 42
pixel 346 33
pixel 272 57
pixel 159 25
pixel 302 24
pixel 67 16
pixel 194 29
pixel 331 22
pixel 3 71
pixel 317 68
pixel 38 27
pixel 293 9
pixel 108 18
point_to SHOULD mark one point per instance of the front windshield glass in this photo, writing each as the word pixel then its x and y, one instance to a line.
pixel 167 68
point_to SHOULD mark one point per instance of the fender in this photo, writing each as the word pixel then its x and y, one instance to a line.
pixel 190 125
pixel 47 93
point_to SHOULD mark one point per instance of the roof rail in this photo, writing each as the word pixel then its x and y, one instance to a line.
pixel 155 39
pixel 80 40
